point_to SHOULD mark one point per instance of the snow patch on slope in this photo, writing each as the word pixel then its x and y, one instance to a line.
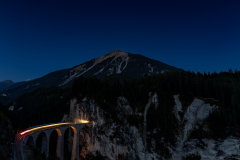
pixel 178 107
pixel 77 70
pixel 75 75
pixel 195 113
pixel 151 68
pixel 213 149
pixel 116 53
pixel 11 108
pixel 126 60
pixel 162 71
pixel 153 99
pixel 124 104
pixel 110 71
pixel 119 66
pixel 99 71
pixel 70 78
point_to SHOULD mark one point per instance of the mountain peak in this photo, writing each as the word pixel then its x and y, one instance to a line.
pixel 116 63
pixel 116 53
pixel 117 50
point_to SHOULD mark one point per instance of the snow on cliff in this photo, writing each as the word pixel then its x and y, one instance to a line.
pixel 112 139
pixel 107 137
pixel 114 55
pixel 208 149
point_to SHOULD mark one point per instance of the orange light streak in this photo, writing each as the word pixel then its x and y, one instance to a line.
pixel 51 125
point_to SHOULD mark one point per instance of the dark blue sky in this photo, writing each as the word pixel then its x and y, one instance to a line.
pixel 41 36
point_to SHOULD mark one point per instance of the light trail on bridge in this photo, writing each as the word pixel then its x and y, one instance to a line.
pixel 52 125
pixel 76 125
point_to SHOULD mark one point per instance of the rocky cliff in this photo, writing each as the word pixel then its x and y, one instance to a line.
pixel 205 148
pixel 116 138
pixel 111 138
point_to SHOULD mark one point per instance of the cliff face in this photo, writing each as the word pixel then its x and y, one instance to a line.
pixel 115 138
pixel 204 148
pixel 107 137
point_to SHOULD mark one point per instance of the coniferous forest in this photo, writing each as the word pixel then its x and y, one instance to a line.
pixel 221 89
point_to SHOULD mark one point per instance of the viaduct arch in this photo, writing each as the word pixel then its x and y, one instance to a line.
pixel 39 136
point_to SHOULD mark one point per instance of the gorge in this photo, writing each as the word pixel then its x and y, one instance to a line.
pixel 171 115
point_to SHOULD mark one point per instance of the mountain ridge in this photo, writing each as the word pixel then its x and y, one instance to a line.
pixel 6 83
pixel 117 63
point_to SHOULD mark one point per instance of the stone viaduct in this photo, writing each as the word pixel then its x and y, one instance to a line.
pixel 42 133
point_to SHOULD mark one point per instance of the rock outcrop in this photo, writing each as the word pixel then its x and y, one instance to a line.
pixel 117 139
pixel 205 148
pixel 107 137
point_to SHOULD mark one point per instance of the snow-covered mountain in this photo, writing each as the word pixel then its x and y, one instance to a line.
pixel 117 63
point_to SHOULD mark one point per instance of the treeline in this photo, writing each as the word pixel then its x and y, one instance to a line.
pixel 48 105
pixel 221 89
pixel 106 92
pixel 43 105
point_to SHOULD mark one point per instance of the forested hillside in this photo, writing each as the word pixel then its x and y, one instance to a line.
pixel 113 64
pixel 221 89
pixel 6 135
pixel 41 106
pixel 48 105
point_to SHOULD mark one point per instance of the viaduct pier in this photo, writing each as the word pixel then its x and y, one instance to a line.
pixel 40 136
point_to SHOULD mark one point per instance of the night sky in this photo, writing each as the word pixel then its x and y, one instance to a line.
pixel 41 36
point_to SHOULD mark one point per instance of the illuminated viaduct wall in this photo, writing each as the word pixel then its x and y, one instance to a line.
pixel 31 139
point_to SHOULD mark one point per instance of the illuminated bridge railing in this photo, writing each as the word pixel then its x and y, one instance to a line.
pixel 46 126
pixel 33 133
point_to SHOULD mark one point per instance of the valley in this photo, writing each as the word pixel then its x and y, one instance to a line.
pixel 171 115
pixel 119 80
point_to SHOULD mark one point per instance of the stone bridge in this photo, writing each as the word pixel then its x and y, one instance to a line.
pixel 40 137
